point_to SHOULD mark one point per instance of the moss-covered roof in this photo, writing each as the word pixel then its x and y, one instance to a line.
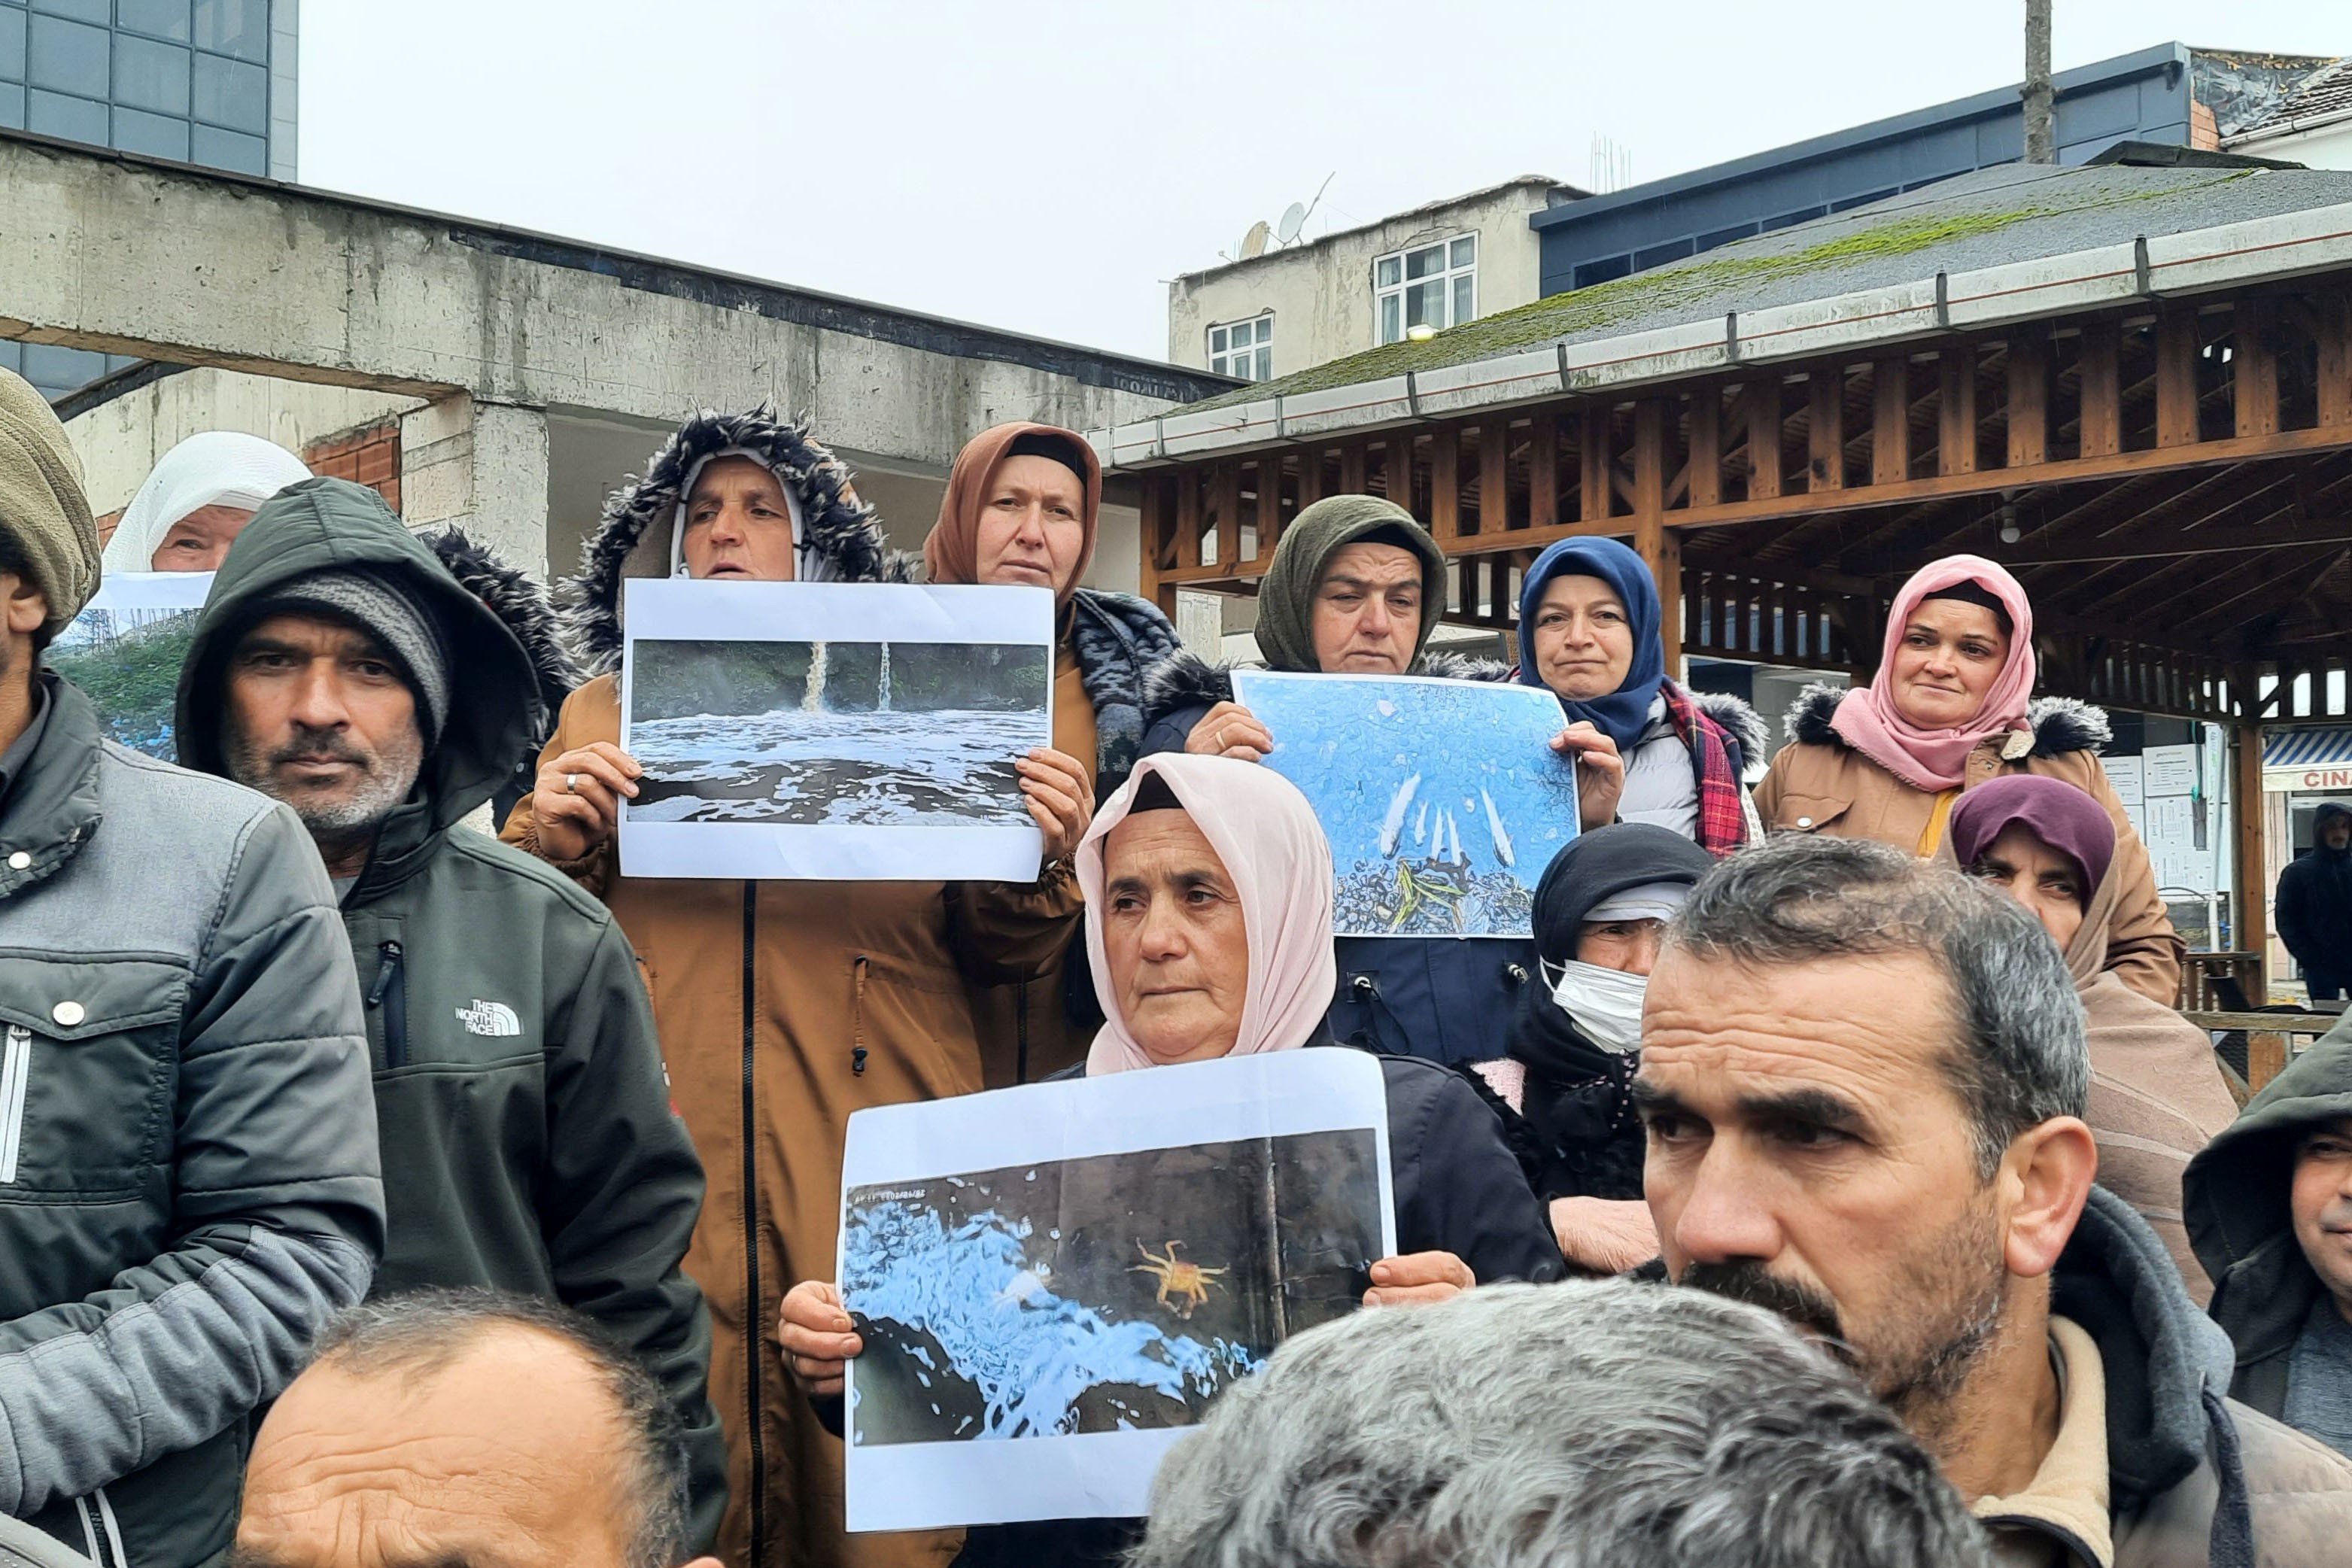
pixel 1993 216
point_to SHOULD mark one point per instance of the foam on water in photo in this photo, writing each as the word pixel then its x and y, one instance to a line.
pixel 949 768
pixel 1030 1354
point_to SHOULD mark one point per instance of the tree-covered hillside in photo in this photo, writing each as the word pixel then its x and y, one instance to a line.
pixel 679 679
pixel 128 663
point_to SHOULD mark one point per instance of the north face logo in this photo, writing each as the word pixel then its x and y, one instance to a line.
pixel 489 1018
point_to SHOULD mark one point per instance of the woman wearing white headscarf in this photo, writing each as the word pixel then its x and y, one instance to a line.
pixel 1208 917
pixel 197 500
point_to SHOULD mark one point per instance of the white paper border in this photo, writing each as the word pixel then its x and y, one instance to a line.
pixel 668 609
pixel 1092 1474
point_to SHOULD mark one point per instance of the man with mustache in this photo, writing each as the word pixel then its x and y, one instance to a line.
pixel 1863 1081
pixel 519 1088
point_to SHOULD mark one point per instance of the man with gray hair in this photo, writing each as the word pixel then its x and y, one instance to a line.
pixel 525 1117
pixel 1863 1080
pixel 1587 1424
pixel 468 1427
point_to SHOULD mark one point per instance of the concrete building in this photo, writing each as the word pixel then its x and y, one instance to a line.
pixel 196 81
pixel 509 379
pixel 1320 300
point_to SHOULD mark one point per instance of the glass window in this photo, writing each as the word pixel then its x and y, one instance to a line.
pixel 157 135
pixel 1243 349
pixel 75 118
pixel 151 76
pixel 12 45
pixel 98 11
pixel 239 27
pixel 12 353
pixel 227 150
pixel 232 93
pixel 1432 286
pixel 159 18
pixel 65 57
pixel 46 364
pixel 11 106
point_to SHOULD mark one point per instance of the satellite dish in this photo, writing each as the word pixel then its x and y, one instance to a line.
pixel 1253 242
pixel 1293 217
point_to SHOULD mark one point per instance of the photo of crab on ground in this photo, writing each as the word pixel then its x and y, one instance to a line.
pixel 1115 1292
pixel 1443 799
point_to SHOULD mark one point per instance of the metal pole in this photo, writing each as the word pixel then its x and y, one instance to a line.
pixel 2041 142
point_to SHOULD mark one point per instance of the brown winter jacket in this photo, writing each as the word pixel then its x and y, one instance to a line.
pixel 1820 784
pixel 784 1007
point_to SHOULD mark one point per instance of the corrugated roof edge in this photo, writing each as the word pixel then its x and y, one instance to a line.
pixel 2196 260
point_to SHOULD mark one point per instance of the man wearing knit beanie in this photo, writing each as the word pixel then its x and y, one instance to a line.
pixel 186 1140
pixel 523 1110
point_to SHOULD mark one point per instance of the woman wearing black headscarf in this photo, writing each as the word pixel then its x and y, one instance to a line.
pixel 1565 1090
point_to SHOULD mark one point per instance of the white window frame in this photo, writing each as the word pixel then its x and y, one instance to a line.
pixel 1384 293
pixel 1257 358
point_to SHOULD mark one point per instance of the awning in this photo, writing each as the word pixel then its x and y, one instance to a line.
pixel 2308 760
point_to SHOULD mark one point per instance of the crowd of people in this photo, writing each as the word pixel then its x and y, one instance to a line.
pixel 1827 1179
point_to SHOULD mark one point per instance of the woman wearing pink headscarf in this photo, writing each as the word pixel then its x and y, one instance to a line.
pixel 1208 917
pixel 1951 706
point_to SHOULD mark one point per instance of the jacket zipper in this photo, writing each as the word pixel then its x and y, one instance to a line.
pixel 389 993
pixel 16 1073
pixel 100 1531
pixel 857 1017
pixel 1021 1032
pixel 753 1334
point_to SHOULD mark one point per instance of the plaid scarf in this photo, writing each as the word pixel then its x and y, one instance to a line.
pixel 1722 825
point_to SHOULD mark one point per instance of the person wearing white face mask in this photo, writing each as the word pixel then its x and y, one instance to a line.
pixel 1564 1090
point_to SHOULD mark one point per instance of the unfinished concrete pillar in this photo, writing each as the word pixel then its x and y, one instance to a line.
pixel 482 466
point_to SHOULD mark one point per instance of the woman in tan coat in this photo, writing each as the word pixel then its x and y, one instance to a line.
pixel 783 1006
pixel 2157 1091
pixel 1948 709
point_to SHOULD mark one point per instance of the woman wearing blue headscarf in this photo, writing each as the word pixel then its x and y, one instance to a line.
pixel 1589 634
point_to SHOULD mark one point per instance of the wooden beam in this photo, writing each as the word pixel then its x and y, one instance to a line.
pixel 1762 397
pixel 1225 494
pixel 1543 470
pixel 2029 397
pixel 2176 343
pixel 1310 476
pixel 2334 311
pixel 1493 476
pixel 2102 394
pixel 1445 483
pixel 1155 525
pixel 1351 470
pixel 1592 464
pixel 1269 502
pixel 1956 410
pixel 1890 422
pixel 1188 519
pixel 2253 368
pixel 1660 547
pixel 1825 430
pixel 1706 466
pixel 2253 928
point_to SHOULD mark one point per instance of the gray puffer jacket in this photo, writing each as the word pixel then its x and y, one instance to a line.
pixel 188 1175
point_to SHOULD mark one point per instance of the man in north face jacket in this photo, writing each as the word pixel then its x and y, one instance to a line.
pixel 530 1144
pixel 188 1182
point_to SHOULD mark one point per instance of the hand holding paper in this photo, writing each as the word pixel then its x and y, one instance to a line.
pixel 815 1332
pixel 576 799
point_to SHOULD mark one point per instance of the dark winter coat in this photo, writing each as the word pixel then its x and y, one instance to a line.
pixel 2313 906
pixel 188 1174
pixel 1819 783
pixel 1457 1188
pixel 2234 1197
pixel 528 1140
pixel 2194 1477
pixel 1445 998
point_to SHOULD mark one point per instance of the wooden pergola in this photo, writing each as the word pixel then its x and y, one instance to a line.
pixel 2176 473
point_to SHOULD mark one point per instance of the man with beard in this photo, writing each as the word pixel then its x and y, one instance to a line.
pixel 530 1142
pixel 1863 1081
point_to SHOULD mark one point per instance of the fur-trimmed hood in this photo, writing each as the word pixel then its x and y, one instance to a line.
pixel 524 606
pixel 2059 724
pixel 632 538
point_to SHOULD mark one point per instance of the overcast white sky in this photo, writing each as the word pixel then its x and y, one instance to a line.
pixel 1044 167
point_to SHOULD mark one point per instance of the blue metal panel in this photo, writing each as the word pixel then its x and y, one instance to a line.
pixel 2142 96
pixel 2307 748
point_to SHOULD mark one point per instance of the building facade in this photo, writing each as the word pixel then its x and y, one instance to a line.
pixel 210 83
pixel 1437 265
